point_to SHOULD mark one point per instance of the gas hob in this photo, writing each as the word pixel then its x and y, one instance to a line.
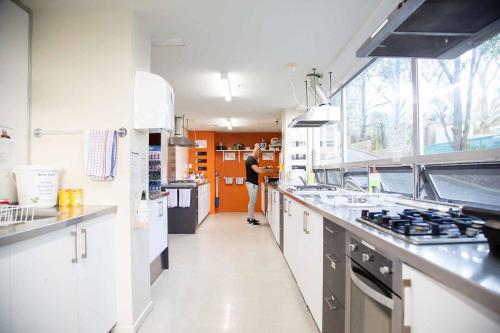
pixel 427 226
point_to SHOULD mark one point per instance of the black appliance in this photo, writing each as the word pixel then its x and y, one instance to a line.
pixel 441 29
pixel 427 226
pixel 271 180
pixel 374 287
pixel 491 228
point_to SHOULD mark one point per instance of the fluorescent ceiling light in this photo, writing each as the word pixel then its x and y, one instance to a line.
pixel 379 28
pixel 226 87
pixel 175 41
pixel 229 124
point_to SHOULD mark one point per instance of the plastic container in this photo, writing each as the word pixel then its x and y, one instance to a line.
pixel 37 185
pixel 64 198
pixel 75 198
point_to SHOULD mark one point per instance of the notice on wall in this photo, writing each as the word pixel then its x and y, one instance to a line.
pixel 6 143
pixel 201 144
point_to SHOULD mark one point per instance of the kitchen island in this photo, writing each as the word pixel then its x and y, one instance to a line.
pixel 64 263
pixel 463 277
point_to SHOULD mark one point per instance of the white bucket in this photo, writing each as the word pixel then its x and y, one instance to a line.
pixel 37 185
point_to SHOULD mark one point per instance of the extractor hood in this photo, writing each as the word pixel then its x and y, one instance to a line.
pixel 319 114
pixel 442 29
pixel 315 117
pixel 179 139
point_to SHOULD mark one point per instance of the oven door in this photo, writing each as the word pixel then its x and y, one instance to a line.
pixel 371 302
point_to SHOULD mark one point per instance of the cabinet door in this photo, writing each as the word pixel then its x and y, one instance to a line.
pixel 200 203
pixel 158 232
pixel 5 289
pixel 313 263
pixel 431 307
pixel 96 275
pixel 44 294
pixel 263 199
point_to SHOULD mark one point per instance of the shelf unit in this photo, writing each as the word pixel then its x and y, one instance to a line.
pixel 239 151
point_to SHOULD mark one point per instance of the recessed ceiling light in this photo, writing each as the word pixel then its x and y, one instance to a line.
pixel 174 41
pixel 226 87
pixel 291 67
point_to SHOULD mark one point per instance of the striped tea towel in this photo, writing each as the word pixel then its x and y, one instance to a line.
pixel 100 154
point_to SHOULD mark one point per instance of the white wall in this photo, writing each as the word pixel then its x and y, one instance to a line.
pixel 345 64
pixel 83 69
pixel 14 89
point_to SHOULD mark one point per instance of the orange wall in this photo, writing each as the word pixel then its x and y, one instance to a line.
pixel 234 198
pixel 210 157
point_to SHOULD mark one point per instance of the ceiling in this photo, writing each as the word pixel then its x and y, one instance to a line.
pixel 252 41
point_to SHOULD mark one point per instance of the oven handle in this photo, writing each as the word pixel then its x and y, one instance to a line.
pixel 377 297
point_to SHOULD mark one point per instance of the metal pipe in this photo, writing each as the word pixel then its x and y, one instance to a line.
pixel 307 98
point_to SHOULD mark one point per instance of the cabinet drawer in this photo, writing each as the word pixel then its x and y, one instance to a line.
pixel 333 238
pixel 334 269
pixel 333 313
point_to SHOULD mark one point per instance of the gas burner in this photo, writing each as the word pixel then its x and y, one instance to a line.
pixel 427 226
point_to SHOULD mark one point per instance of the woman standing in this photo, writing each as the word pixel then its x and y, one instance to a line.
pixel 252 183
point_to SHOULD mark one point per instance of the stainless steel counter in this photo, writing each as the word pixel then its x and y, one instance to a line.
pixel 59 218
pixel 466 268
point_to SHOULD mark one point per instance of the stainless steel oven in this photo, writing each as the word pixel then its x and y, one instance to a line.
pixel 374 305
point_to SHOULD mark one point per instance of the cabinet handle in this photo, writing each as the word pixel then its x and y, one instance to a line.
pixel 289 202
pixel 284 207
pixel 84 232
pixel 304 223
pixel 330 230
pixel 161 208
pixel 75 258
pixel 332 260
pixel 330 305
pixel 406 315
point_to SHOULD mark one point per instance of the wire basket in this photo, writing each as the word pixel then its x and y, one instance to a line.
pixel 228 180
pixel 240 180
pixel 15 214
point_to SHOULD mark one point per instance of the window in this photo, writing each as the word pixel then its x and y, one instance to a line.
pixel 379 112
pixel 356 179
pixel 472 184
pixel 320 176
pixel 398 180
pixel 459 100
pixel 334 177
pixel 327 143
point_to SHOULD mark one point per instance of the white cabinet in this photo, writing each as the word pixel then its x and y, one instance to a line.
pixel 64 281
pixel 273 217
pixel 303 250
pixel 203 202
pixel 431 307
pixel 5 289
pixel 158 231
pixel 96 275
pixel 44 282
pixel 263 199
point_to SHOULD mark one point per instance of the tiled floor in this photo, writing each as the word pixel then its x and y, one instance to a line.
pixel 229 277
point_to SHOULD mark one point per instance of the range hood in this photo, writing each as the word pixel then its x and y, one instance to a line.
pixel 317 115
pixel 179 139
pixel 442 29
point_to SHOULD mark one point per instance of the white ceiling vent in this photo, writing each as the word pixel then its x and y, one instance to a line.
pixel 175 41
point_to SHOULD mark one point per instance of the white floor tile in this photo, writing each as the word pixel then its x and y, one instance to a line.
pixel 229 277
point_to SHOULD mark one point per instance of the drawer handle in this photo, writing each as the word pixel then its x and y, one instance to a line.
pixel 330 305
pixel 330 230
pixel 332 260
pixel 74 260
pixel 85 254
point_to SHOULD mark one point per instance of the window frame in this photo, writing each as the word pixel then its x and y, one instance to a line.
pixel 418 158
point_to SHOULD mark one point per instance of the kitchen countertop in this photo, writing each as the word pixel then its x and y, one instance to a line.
pixel 159 195
pixel 466 268
pixel 66 216
pixel 187 185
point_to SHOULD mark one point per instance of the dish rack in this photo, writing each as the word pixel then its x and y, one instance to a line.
pixel 15 214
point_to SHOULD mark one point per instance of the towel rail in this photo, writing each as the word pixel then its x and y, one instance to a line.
pixel 38 132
